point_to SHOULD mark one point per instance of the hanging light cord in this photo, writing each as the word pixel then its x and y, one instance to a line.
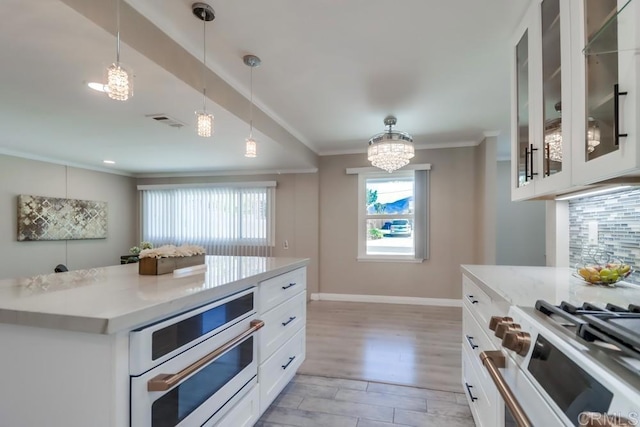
pixel 251 105
pixel 118 32
pixel 204 60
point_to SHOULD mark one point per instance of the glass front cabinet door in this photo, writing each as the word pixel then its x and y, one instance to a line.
pixel 541 87
pixel 606 58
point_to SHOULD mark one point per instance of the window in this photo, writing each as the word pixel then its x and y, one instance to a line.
pixel 228 219
pixel 392 214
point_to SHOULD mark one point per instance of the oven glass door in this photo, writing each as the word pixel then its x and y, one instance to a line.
pixel 178 403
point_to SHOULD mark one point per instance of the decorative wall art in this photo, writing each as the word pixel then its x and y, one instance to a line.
pixel 50 218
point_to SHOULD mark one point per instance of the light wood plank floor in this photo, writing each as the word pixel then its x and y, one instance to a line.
pixel 310 401
pixel 410 345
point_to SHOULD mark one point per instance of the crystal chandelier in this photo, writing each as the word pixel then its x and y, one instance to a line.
pixel 119 81
pixel 251 147
pixel 204 120
pixel 553 136
pixel 390 150
pixel 593 135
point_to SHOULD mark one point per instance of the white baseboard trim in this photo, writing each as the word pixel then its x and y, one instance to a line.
pixel 442 302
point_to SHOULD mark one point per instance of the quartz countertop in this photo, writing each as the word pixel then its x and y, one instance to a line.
pixel 113 299
pixel 523 286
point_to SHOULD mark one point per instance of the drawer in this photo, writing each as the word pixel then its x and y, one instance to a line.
pixel 273 291
pixel 276 372
pixel 475 341
pixel 245 413
pixel 280 324
pixel 483 401
pixel 478 302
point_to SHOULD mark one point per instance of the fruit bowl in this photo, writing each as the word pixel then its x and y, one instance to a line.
pixel 608 274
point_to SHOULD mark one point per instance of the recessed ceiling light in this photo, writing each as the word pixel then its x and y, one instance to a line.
pixel 100 87
pixel 109 162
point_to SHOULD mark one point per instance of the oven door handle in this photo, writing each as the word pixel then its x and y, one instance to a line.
pixel 493 360
pixel 163 382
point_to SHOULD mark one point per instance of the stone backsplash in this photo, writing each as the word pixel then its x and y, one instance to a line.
pixel 618 218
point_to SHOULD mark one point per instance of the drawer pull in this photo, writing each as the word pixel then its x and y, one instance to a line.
pixel 284 288
pixel 291 319
pixel 469 387
pixel 470 339
pixel 291 359
pixel 473 300
pixel 162 382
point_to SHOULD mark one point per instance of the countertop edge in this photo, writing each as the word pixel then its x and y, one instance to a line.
pixel 493 294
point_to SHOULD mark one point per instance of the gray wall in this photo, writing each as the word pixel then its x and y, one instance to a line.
pixel 520 230
pixel 23 176
pixel 452 220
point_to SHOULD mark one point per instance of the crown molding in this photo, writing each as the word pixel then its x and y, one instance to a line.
pixel 224 173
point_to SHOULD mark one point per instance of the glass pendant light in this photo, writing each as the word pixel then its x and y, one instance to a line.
pixel 204 120
pixel 251 147
pixel 119 80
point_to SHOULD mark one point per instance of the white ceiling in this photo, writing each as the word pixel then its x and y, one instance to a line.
pixel 331 71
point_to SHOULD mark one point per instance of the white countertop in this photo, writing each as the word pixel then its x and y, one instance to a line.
pixel 113 299
pixel 525 285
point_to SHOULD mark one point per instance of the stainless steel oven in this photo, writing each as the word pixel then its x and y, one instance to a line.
pixel 190 369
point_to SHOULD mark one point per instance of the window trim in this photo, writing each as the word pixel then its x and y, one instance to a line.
pixel 368 173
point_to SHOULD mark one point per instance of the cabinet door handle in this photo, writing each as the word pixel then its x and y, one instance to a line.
pixel 291 359
pixel 616 114
pixel 473 301
pixel 291 319
pixel 470 339
pixel 526 164
pixel 288 286
pixel 469 387
pixel 531 150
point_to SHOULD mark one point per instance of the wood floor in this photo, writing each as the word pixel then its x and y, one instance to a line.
pixel 411 345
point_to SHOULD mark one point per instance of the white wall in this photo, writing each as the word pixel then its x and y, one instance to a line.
pixel 520 231
pixel 23 176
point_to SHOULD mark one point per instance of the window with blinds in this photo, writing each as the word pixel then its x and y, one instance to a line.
pixel 225 219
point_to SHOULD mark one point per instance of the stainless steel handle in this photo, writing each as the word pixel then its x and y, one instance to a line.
pixel 471 396
pixel 473 346
pixel 291 359
pixel 164 382
pixel 473 301
pixel 595 419
pixel 493 360
pixel 288 286
pixel 291 319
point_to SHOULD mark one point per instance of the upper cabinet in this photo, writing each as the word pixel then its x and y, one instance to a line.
pixel 606 37
pixel 541 87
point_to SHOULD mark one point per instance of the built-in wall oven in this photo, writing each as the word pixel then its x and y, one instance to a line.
pixel 190 369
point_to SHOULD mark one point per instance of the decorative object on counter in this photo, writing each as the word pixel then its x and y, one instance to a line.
pixel 50 218
pixel 204 120
pixel 599 268
pixel 390 150
pixel 165 259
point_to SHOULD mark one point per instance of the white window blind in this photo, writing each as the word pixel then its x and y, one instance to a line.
pixel 225 220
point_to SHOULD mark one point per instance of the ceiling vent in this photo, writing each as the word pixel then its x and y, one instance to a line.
pixel 169 121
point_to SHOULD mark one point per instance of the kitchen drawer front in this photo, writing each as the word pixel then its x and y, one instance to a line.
pixel 281 323
pixel 276 372
pixel 475 341
pixel 478 302
pixel 245 413
pixel 482 400
pixel 276 290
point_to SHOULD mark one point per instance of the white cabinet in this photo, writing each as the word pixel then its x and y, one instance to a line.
pixel 540 102
pixel 282 304
pixel 484 399
pixel 606 39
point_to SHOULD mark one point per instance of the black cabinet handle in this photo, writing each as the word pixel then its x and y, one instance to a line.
pixel 291 319
pixel 470 339
pixel 473 301
pixel 288 286
pixel 531 150
pixel 291 359
pixel 526 164
pixel 469 387
pixel 616 114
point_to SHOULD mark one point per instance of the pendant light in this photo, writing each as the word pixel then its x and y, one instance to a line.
pixel 119 81
pixel 204 120
pixel 251 147
pixel 390 150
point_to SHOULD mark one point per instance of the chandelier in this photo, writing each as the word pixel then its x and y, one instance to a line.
pixel 204 120
pixel 251 146
pixel 119 82
pixel 390 150
pixel 553 136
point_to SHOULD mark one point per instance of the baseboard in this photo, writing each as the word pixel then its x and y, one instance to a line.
pixel 442 302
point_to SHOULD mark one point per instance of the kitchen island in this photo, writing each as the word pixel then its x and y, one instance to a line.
pixel 66 337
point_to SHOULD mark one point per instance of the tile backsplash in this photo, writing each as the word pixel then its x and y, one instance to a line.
pixel 618 218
